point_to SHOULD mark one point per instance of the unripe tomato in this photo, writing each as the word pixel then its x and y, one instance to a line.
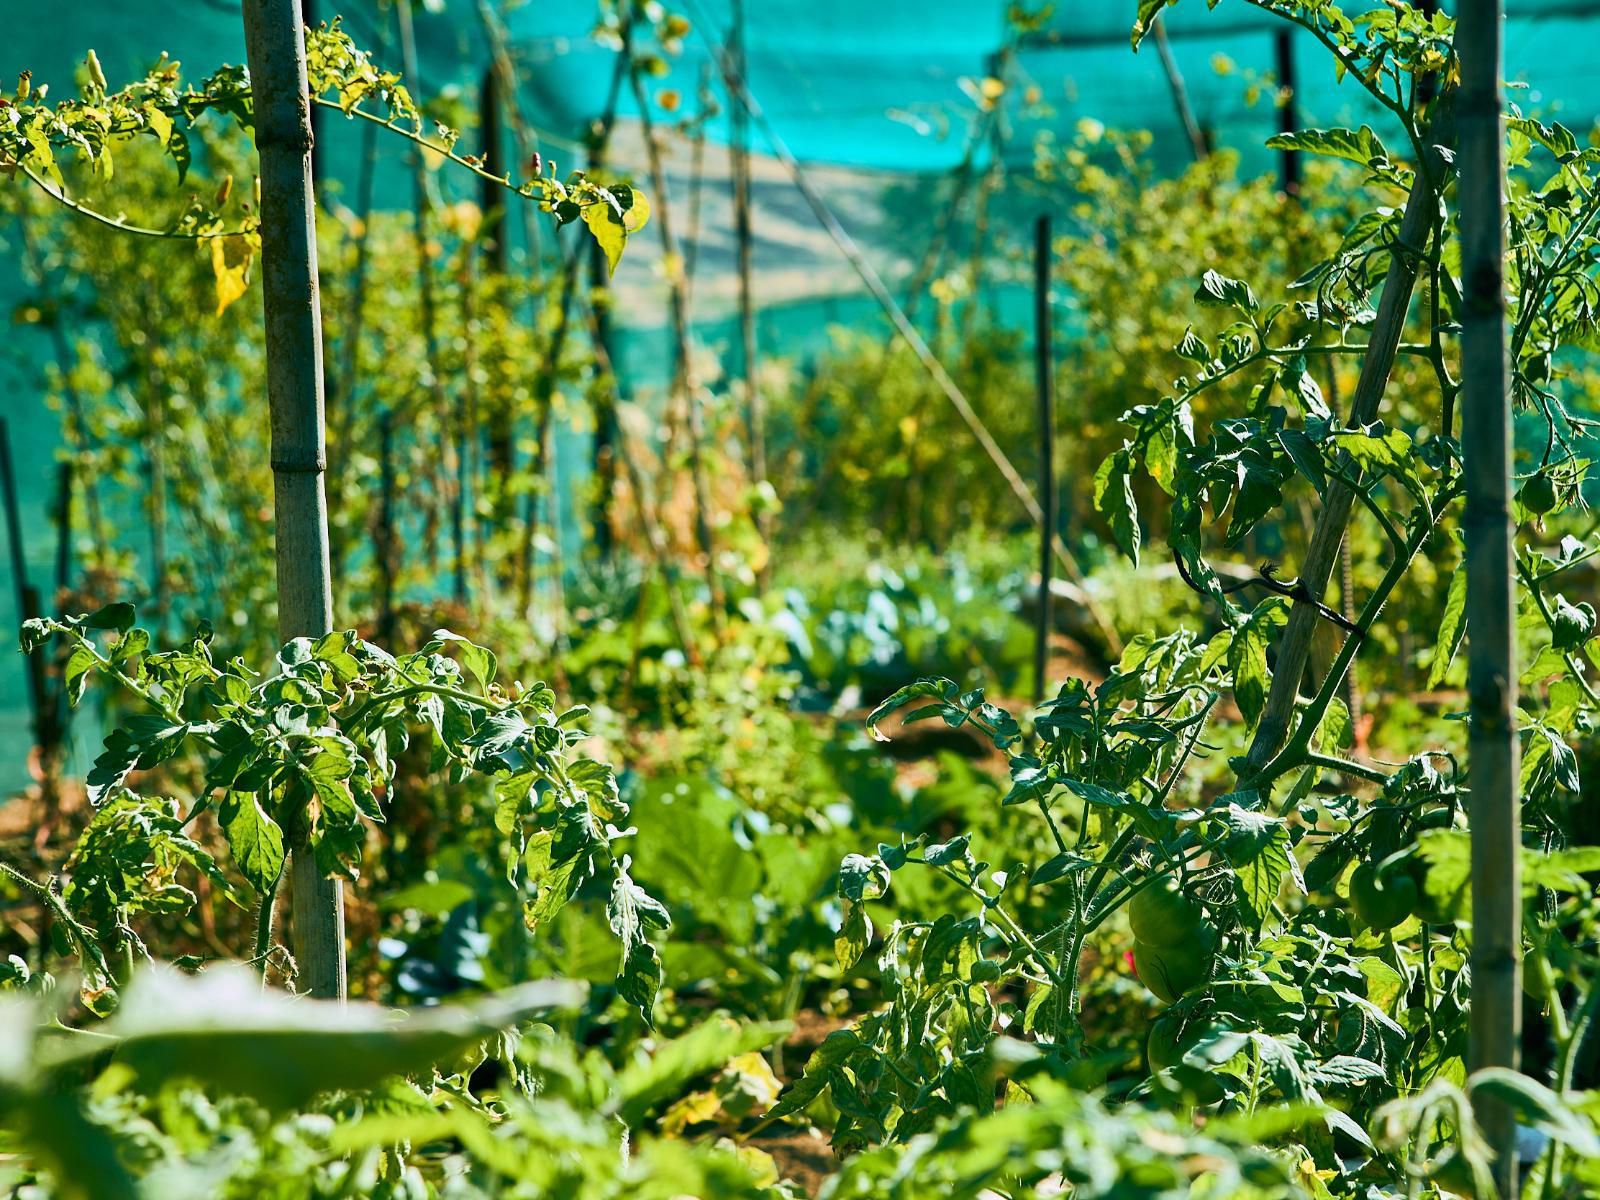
pixel 1427 908
pixel 1454 1175
pixel 1538 494
pixel 1170 1039
pixel 1088 1074
pixel 1170 971
pixel 1437 818
pixel 1383 899
pixel 1538 980
pixel 1161 915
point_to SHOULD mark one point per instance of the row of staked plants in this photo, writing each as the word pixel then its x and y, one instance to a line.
pixel 1175 933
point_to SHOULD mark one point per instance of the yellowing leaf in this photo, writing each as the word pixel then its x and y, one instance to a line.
pixel 160 124
pixel 693 1109
pixel 230 264
pixel 638 213
pixel 608 229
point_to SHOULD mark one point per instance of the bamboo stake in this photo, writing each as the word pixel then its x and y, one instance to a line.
pixel 1044 385
pixel 684 385
pixel 607 434
pixel 293 320
pixel 502 433
pixel 963 177
pixel 472 448
pixel 697 177
pixel 521 135
pixel 156 486
pixel 1495 1029
pixel 1180 93
pixel 343 399
pixel 755 402
pixel 383 533
pixel 496 230
pixel 1347 587
pixel 452 418
pixel 57 713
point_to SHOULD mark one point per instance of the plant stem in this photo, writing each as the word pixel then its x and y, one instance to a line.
pixel 1295 752
pixel 264 927
pixel 1417 229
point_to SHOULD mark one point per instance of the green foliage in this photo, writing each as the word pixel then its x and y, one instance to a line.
pixel 34 135
pixel 320 1099
pixel 1110 946
pixel 309 756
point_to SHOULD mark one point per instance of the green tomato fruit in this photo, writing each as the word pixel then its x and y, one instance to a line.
pixel 1427 908
pixel 1170 971
pixel 1454 1175
pixel 1161 915
pixel 1443 817
pixel 1538 494
pixel 1383 899
pixel 1170 1039
pixel 1538 980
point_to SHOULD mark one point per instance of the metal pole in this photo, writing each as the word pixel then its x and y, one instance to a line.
pixel 1288 114
pixel 490 193
pixel 19 565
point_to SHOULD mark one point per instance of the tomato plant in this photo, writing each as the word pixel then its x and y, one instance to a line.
pixel 776 917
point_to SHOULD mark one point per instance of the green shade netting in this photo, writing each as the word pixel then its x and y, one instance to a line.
pixel 877 100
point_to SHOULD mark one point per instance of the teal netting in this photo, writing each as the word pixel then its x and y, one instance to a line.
pixel 874 99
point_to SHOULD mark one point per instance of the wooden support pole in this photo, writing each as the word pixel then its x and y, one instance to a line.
pixel 1180 93
pixel 686 390
pixel 384 542
pixel 504 423
pixel 1044 386
pixel 293 318
pixel 697 176
pixel 1494 1033
pixel 607 432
